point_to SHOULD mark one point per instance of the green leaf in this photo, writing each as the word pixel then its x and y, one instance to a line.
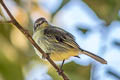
pixel 9 70
pixel 73 71
pixel 5 30
pixel 105 9
pixel 77 72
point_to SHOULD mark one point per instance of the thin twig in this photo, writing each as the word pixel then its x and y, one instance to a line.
pixel 28 36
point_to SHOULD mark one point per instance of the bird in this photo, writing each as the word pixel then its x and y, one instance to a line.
pixel 58 43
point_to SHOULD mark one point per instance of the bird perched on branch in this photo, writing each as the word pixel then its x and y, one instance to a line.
pixel 58 43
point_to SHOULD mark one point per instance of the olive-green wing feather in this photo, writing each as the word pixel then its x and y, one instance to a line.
pixel 61 36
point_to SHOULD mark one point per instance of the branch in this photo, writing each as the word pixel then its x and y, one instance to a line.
pixel 28 36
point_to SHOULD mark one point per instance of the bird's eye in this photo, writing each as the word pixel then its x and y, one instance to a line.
pixel 38 24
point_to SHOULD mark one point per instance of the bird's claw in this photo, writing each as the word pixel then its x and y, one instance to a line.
pixel 60 71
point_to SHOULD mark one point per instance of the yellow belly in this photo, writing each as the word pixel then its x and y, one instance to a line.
pixel 58 56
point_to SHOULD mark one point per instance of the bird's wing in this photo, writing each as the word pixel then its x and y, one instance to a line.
pixel 61 36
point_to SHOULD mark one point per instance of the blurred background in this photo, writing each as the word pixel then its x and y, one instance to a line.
pixel 94 23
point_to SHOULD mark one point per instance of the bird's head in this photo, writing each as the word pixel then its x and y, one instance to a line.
pixel 40 23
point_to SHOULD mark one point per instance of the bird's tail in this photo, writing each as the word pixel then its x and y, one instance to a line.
pixel 97 58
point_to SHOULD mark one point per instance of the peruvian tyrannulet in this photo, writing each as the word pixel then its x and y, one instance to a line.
pixel 58 43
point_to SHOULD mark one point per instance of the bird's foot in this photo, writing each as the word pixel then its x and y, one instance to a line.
pixel 60 71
